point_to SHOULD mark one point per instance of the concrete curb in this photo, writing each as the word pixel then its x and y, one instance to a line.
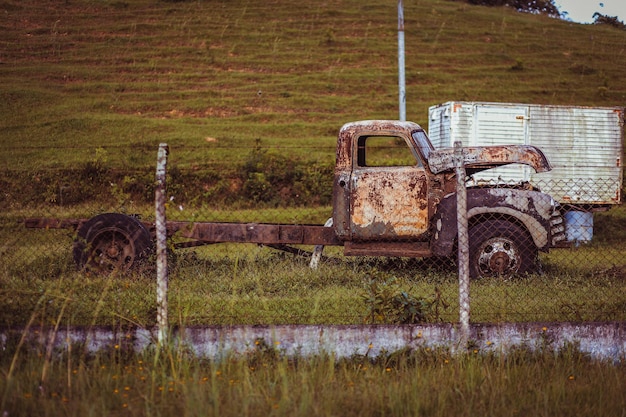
pixel 599 340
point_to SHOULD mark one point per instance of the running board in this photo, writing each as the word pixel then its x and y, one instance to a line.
pixel 400 249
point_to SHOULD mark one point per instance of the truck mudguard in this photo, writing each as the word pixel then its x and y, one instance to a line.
pixel 532 209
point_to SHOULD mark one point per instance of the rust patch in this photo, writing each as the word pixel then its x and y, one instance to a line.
pixel 480 158
pixel 265 233
pixel 389 204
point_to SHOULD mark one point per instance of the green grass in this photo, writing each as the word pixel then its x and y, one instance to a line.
pixel 550 381
pixel 128 75
pixel 88 89
pixel 102 83
pixel 248 284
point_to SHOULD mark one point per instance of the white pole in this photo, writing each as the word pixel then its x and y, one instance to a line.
pixel 401 75
pixel 463 243
pixel 161 245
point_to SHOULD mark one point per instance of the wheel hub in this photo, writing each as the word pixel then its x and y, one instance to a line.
pixel 113 251
pixel 499 262
pixel 111 242
pixel 498 257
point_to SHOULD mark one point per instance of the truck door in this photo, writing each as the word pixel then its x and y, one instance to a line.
pixel 389 190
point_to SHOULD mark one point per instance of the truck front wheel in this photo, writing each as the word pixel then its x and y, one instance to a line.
pixel 111 242
pixel 499 248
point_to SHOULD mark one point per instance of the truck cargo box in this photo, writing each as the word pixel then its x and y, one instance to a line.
pixel 583 145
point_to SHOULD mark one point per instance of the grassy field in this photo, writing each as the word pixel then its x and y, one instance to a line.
pixel 547 382
pixel 88 89
pixel 107 81
pixel 247 284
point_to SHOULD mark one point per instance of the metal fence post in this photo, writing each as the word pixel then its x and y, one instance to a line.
pixel 463 245
pixel 401 64
pixel 161 244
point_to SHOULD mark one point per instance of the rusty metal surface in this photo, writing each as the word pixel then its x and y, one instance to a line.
pixel 389 203
pixel 52 223
pixel 479 158
pixel 255 233
pixel 403 249
pixel 531 208
pixel 351 131
pixel 382 202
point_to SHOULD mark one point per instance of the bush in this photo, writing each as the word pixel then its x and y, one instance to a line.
pixel 387 303
pixel 601 19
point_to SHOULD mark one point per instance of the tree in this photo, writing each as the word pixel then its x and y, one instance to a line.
pixel 601 19
pixel 546 7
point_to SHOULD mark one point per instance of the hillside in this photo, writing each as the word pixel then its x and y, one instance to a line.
pixel 103 82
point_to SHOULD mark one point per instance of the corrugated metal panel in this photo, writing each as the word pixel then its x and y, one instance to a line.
pixel 439 125
pixel 498 125
pixel 462 128
pixel 583 144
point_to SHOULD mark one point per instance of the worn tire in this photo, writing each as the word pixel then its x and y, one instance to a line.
pixel 500 248
pixel 111 242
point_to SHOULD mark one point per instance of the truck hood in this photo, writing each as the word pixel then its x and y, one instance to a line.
pixel 480 158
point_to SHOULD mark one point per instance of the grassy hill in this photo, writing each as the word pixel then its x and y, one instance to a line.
pixel 101 83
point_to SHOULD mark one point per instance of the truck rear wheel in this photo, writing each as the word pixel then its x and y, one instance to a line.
pixel 111 242
pixel 499 248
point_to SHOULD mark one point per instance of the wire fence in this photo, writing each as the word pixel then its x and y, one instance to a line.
pixel 241 251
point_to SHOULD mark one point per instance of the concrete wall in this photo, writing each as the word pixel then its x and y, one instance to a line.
pixel 600 340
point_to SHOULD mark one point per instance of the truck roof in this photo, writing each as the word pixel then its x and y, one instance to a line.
pixel 477 158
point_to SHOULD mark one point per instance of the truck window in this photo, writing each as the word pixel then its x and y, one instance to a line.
pixel 423 143
pixel 379 151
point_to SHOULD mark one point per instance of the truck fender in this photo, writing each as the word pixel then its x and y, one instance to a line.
pixel 531 209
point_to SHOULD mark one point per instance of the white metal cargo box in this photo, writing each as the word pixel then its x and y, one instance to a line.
pixel 583 145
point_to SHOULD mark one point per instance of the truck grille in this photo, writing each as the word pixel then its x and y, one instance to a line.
pixel 557 227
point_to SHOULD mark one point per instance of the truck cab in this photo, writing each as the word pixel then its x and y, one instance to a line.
pixel 394 195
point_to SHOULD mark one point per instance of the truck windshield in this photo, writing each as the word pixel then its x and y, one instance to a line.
pixel 423 143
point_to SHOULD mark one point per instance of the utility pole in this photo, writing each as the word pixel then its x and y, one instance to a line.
pixel 401 75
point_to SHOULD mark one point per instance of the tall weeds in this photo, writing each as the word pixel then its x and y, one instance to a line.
pixel 172 381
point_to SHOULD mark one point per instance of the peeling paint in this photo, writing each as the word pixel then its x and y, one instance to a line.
pixel 389 203
pixel 538 203
pixel 479 158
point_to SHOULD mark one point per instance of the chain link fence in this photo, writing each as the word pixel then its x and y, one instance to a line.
pixel 52 237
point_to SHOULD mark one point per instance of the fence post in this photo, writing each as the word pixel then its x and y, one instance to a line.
pixel 161 244
pixel 463 245
pixel 401 64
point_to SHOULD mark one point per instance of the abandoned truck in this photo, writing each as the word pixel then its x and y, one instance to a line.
pixel 393 195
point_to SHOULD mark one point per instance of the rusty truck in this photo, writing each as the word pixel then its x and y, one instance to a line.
pixel 394 195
